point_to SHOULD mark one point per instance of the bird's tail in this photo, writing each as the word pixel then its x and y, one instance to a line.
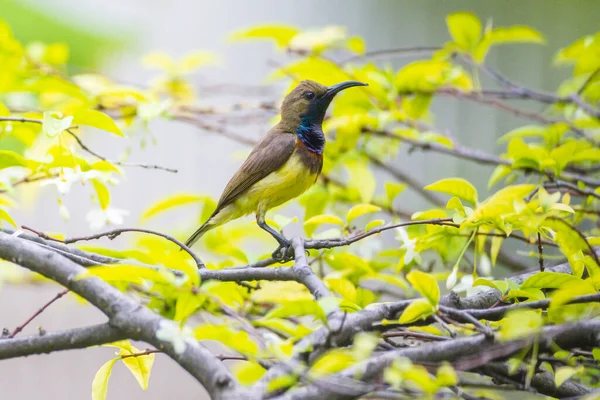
pixel 198 234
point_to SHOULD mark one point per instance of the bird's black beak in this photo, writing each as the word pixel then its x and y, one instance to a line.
pixel 320 107
pixel 335 89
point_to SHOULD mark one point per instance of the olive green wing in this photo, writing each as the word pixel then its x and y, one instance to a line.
pixel 269 155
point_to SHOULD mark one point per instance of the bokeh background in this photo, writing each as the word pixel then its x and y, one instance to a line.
pixel 112 36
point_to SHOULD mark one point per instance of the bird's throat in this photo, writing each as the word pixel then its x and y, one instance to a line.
pixel 311 135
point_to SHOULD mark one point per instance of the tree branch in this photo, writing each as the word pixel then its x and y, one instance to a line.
pixel 78 338
pixel 124 313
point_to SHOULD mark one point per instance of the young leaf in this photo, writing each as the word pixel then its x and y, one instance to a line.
pixel 418 309
pixel 100 382
pixel 96 119
pixel 334 361
pixel 281 34
pixel 313 223
pixel 456 187
pixel 5 216
pixel 465 29
pixel 374 224
pixel 170 202
pixel 393 189
pixel 426 285
pixel 562 374
pixel 140 366
pixel 102 193
pixel 187 304
pixel 548 280
pixel 248 372
pixel 359 210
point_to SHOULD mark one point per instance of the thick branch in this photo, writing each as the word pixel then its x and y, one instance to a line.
pixel 78 338
pixel 125 314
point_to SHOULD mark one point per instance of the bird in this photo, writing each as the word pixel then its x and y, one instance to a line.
pixel 283 165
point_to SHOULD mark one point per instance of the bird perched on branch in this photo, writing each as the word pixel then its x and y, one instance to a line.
pixel 284 164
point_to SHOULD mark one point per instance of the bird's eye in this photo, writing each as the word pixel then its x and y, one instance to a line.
pixel 309 95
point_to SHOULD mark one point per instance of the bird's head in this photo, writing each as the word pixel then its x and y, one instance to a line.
pixel 308 102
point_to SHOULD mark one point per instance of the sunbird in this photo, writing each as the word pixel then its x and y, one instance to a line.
pixel 283 165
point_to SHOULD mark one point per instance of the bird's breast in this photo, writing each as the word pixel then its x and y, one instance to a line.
pixel 298 174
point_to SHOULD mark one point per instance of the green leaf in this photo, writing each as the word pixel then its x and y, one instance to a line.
pixel 456 187
pixel 499 173
pixel 281 34
pixel 127 273
pixel 53 125
pixel 520 323
pixel 5 216
pixel 248 373
pixel 548 280
pixel 334 361
pixel 524 131
pixel 374 224
pixel 465 29
pixel 360 209
pixel 296 308
pixel 102 193
pixel 361 178
pixel 313 223
pixel 11 159
pixel 446 376
pixel 392 190
pixel 140 366
pixel 237 340
pixel 100 382
pixel 343 287
pixel 187 304
pixel 418 309
pixel 170 202
pixel 282 382
pixel 562 374
pixel 516 34
pixel 96 119
pixel 426 285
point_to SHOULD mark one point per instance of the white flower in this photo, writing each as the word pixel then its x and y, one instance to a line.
pixel 169 331
pixel 409 245
pixel 100 218
pixel 67 176
pixel 452 278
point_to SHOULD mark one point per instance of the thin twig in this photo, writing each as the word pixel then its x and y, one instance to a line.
pixel 38 312
pixel 123 164
pixel 116 232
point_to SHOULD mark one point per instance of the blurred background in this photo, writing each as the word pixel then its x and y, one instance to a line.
pixel 112 36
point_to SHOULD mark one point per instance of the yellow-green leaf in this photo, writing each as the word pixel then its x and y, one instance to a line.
pixel 127 273
pixel 360 209
pixel 548 280
pixel 456 187
pixel 102 193
pixel 11 159
pixel 187 304
pixel 465 29
pixel 281 34
pixel 169 203
pixel 5 216
pixel 334 361
pixel 248 373
pixel 562 374
pixel 520 323
pixel 140 366
pixel 98 120
pixel 426 285
pixel 446 376
pixel 393 189
pixel 313 223
pixel 418 309
pixel 100 382
pixel 374 224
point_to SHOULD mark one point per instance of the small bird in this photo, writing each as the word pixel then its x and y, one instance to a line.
pixel 283 165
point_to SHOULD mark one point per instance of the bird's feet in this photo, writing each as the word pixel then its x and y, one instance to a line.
pixel 283 253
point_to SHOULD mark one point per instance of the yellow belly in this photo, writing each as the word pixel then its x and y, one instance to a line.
pixel 287 183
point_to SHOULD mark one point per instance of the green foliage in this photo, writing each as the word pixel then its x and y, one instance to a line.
pixel 545 195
